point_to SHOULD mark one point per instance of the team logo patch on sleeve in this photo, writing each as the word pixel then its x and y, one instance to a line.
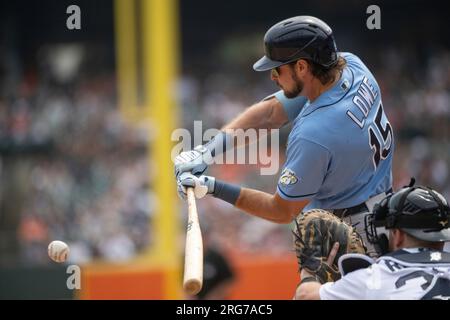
pixel 288 177
pixel 435 256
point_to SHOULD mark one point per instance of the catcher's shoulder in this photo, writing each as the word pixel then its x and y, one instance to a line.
pixel 354 261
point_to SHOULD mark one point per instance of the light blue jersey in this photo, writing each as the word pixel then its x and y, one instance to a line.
pixel 339 152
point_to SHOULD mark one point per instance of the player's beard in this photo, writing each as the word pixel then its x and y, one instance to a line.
pixel 298 87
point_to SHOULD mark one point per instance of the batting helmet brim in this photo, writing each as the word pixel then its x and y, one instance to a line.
pixel 265 64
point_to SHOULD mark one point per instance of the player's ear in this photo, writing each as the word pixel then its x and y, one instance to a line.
pixel 301 66
pixel 398 237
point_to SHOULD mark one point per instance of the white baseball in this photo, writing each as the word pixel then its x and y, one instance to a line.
pixel 58 251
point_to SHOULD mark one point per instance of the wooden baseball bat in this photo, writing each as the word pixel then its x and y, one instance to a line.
pixel 193 263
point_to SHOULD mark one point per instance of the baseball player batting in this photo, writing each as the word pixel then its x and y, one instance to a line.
pixel 339 152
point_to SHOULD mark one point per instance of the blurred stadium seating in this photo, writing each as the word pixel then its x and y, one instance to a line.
pixel 73 168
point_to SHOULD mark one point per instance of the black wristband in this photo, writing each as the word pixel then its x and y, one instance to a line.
pixel 227 192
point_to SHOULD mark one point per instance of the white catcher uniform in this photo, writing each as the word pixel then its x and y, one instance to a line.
pixel 406 274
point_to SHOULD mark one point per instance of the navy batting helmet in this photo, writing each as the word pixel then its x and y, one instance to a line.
pixel 296 38
pixel 419 211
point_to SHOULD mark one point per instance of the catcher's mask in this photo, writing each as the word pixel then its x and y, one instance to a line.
pixel 419 211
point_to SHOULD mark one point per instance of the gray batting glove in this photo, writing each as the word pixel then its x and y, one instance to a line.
pixel 202 185
pixel 195 161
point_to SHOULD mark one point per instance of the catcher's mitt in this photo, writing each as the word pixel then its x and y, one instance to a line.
pixel 315 233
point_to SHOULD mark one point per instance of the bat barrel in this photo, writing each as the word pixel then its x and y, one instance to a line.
pixel 193 267
pixel 192 286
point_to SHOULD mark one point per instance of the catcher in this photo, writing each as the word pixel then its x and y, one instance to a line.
pixel 418 221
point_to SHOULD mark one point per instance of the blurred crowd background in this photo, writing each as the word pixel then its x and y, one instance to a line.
pixel 72 168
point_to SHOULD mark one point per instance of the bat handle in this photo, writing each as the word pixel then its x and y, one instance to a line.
pixel 192 205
